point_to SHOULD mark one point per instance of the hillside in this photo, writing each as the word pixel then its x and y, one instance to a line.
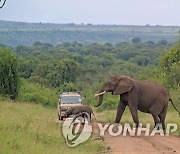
pixel 19 33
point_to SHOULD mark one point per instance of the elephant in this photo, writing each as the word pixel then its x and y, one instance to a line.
pixel 145 96
pixel 83 115
pixel 75 110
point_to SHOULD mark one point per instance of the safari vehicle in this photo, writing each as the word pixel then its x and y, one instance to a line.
pixel 66 100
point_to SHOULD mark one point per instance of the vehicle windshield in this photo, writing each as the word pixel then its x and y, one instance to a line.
pixel 71 99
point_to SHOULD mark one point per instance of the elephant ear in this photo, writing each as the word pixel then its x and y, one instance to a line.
pixel 125 84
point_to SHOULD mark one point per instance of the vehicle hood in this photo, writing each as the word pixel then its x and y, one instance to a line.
pixel 70 105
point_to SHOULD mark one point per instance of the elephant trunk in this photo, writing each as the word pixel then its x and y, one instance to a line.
pixel 100 95
pixel 100 101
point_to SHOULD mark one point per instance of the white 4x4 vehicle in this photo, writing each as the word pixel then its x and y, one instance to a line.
pixel 66 100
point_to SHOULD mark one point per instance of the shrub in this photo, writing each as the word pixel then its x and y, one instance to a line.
pixel 9 74
pixel 170 64
pixel 38 94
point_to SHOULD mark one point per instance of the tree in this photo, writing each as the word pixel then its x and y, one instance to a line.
pixel 150 43
pixel 163 42
pixel 136 40
pixel 9 74
pixel 37 43
pixel 69 70
pixel 170 64
pixel 67 87
pixel 141 60
pixel 26 68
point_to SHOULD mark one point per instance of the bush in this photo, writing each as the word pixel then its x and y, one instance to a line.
pixel 30 92
pixel 170 65
pixel 67 86
pixel 9 74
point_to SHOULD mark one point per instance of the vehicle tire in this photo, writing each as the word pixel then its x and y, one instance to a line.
pixel 59 117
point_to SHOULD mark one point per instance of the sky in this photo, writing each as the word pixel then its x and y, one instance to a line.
pixel 121 12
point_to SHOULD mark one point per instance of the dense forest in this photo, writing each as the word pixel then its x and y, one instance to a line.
pixel 45 70
pixel 20 33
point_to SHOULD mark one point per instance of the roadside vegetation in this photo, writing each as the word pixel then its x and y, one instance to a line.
pixel 35 93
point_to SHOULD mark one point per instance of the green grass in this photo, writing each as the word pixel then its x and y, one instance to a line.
pixel 32 128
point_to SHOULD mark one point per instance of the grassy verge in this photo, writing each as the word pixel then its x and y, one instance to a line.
pixel 32 128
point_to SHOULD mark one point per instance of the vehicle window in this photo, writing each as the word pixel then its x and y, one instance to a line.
pixel 71 99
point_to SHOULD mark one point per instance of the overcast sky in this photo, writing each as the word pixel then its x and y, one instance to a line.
pixel 124 12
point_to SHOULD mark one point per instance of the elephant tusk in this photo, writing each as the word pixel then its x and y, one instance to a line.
pixel 100 93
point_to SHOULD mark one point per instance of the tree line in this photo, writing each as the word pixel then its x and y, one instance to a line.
pixel 77 67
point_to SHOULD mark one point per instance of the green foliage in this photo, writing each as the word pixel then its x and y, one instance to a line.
pixel 3 98
pixel 163 42
pixel 83 68
pixel 26 68
pixel 125 68
pixel 9 73
pixel 170 65
pixel 77 67
pixel 140 60
pixel 109 103
pixel 68 70
pixel 67 86
pixel 36 93
pixel 136 40
pixel 88 64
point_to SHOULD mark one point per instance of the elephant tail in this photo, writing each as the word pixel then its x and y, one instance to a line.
pixel 174 106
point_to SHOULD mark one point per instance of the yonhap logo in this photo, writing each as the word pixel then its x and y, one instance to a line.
pixel 2 3
pixel 77 130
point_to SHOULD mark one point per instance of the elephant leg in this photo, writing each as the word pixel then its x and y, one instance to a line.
pixel 120 110
pixel 156 119
pixel 134 114
pixel 155 110
pixel 90 116
pixel 162 116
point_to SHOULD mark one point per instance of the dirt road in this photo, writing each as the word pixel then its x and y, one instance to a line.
pixel 141 145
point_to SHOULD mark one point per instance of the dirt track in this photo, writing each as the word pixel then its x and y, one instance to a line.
pixel 141 145
pixel 136 145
